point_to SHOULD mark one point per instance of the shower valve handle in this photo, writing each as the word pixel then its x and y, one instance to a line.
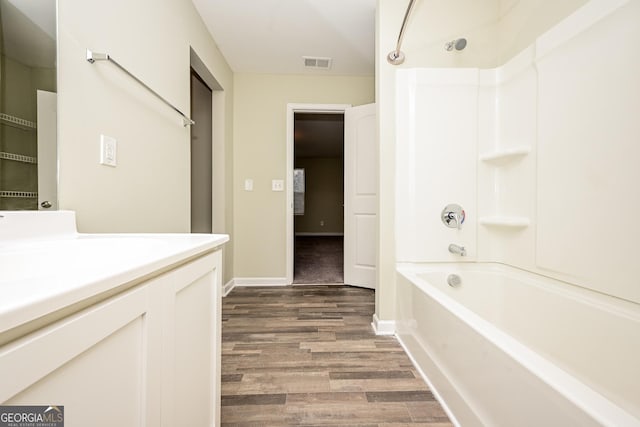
pixel 453 216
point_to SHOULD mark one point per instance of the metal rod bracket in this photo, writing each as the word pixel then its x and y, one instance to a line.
pixel 94 56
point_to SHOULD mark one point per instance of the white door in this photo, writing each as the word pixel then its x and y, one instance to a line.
pixel 360 196
pixel 47 151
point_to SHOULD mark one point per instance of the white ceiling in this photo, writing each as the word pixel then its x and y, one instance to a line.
pixel 272 36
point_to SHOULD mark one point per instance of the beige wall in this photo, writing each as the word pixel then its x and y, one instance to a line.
pixel 495 30
pixel 260 108
pixel 18 96
pixel 522 21
pixel 149 189
pixel 434 23
pixel 324 196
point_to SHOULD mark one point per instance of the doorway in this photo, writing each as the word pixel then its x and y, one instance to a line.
pixel 318 197
pixel 360 190
pixel 292 110
pixel 208 170
pixel 201 155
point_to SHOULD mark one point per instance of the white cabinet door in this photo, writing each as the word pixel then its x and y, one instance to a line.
pixel 147 357
pixel 93 363
pixel 193 334
pixel 360 196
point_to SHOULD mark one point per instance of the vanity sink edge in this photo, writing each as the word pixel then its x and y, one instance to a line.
pixel 46 266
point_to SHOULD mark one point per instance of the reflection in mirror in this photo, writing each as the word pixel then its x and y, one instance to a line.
pixel 28 104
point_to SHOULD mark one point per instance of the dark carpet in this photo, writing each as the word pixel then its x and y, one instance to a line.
pixel 318 259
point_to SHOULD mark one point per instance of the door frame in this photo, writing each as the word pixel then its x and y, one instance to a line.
pixel 291 110
pixel 218 161
pixel 47 149
pixel 197 173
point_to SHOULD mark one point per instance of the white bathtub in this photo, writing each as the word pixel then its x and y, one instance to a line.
pixel 510 348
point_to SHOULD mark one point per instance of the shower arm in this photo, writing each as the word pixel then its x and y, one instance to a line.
pixel 396 57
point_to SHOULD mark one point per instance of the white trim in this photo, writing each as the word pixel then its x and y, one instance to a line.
pixel 228 287
pixel 252 281
pixel 291 110
pixel 311 234
pixel 383 327
pixel 260 281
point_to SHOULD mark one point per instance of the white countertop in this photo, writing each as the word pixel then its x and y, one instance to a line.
pixel 39 276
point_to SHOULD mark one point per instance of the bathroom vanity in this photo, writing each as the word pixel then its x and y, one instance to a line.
pixel 119 329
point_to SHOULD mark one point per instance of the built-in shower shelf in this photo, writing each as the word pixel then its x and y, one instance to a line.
pixel 500 157
pixel 508 222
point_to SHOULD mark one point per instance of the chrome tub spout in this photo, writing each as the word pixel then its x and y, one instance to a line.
pixel 457 249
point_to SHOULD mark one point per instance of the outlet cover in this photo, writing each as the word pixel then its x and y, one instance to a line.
pixel 277 185
pixel 108 150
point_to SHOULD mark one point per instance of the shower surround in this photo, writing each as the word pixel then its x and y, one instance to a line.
pixel 541 153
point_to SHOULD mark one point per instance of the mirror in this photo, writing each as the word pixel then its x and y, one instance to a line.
pixel 28 171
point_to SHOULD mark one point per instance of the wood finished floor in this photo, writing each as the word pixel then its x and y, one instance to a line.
pixel 307 356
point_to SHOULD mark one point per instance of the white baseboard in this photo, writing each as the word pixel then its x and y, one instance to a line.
pixel 228 287
pixel 383 327
pixel 311 234
pixel 253 281
pixel 260 281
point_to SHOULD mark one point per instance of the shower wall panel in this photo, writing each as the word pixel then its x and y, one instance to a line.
pixel 436 161
pixel 541 152
pixel 588 131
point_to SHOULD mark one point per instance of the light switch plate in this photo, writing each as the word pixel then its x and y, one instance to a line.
pixel 277 185
pixel 108 150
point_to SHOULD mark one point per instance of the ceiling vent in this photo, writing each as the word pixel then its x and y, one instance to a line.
pixel 316 62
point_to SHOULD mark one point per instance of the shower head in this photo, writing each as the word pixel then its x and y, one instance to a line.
pixel 458 44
